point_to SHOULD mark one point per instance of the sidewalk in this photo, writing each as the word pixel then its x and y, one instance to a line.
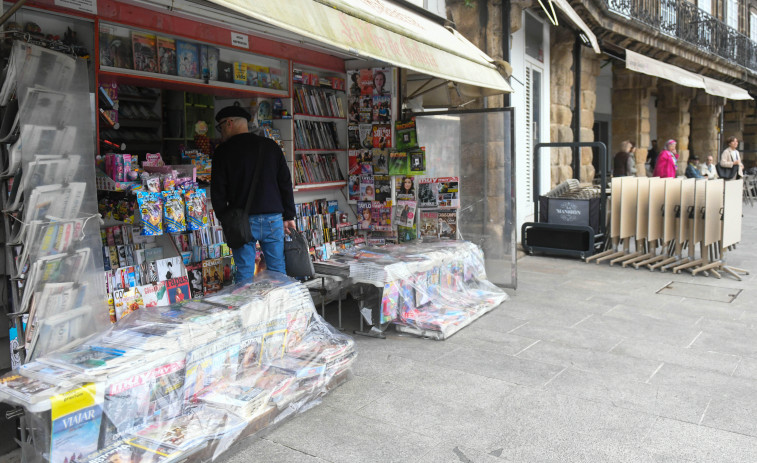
pixel 585 362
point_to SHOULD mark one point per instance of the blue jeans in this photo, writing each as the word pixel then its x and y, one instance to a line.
pixel 268 229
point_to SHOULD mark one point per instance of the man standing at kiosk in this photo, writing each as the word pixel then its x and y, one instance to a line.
pixel 272 209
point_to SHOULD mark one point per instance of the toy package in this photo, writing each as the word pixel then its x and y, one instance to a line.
pixel 197 209
pixel 151 212
pixel 173 205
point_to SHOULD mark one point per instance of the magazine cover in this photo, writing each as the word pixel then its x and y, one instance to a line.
pixel 417 158
pixel 366 81
pixel 169 267
pixel 188 59
pixel 382 110
pixel 367 192
pixel 76 417
pixel 144 52
pixel 212 275
pixel 380 161
pixel 209 62
pixel 354 188
pixel 227 264
pixel 178 289
pixel 120 47
pixel 427 193
pixel 429 224
pixel 211 362
pixel 398 163
pixel 381 216
pixel 406 135
pixel 448 192
pixel 382 135
pixel 405 213
pixel 167 55
pixel 353 137
pixel 364 215
pixel 448 224
pixel 382 188
pixel 405 188
pixel 382 81
pixel 194 274
pixel 154 295
pixel 366 136
pixel 354 165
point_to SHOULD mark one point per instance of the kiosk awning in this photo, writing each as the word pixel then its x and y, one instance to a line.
pixel 380 31
pixel 578 22
pixel 653 67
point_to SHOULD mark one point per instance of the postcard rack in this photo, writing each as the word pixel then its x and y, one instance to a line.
pixel 50 221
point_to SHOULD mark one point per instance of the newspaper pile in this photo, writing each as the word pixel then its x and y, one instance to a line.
pixel 188 380
pixel 430 289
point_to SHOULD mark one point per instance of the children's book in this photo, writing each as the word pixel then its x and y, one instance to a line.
pixel 145 58
pixel 277 80
pixel 212 275
pixel 240 74
pixel 398 163
pixel 178 289
pixel 188 59
pixel 76 417
pixel 166 55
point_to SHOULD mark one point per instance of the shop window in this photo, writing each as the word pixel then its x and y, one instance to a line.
pixel 732 14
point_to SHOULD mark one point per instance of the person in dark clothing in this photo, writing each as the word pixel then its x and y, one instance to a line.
pixel 272 211
pixel 623 162
pixel 652 155
pixel 692 170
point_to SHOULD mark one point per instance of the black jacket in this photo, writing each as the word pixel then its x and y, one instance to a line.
pixel 234 164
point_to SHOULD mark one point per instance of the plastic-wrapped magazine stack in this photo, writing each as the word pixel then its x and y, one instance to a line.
pixel 186 381
pixel 431 289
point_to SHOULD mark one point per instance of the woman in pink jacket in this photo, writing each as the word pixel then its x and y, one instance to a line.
pixel 665 167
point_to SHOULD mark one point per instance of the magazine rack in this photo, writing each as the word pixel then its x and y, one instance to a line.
pixel 50 216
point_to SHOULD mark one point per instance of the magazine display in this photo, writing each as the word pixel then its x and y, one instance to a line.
pixel 50 209
pixel 186 380
pixel 431 289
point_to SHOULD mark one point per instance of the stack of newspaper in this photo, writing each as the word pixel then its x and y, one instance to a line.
pixel 167 383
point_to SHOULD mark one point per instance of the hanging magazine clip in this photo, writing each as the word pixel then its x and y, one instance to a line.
pixel 701 211
pixel 690 211
pixel 677 210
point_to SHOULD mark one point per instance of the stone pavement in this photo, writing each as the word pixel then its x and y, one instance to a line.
pixel 585 362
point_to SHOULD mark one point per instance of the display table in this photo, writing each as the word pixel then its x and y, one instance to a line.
pixel 428 289
pixel 187 380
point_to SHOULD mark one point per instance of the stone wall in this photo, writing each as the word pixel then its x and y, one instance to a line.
pixel 705 124
pixel 561 97
pixel 674 118
pixel 590 67
pixel 631 92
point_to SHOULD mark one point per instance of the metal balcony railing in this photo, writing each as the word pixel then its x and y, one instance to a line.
pixel 683 20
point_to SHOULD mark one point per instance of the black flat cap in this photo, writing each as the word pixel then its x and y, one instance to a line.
pixel 232 111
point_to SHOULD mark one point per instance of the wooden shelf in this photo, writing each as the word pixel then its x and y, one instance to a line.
pixel 320 186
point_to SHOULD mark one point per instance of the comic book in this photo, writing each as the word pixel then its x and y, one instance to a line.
pixel 178 289
pixel 187 59
pixel 145 58
pixel 212 275
pixel 76 417
pixel 166 55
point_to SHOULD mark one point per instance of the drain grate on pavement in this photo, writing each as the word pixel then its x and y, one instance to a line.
pixel 699 291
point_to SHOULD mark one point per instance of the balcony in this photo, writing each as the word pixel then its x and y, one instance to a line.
pixel 683 20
